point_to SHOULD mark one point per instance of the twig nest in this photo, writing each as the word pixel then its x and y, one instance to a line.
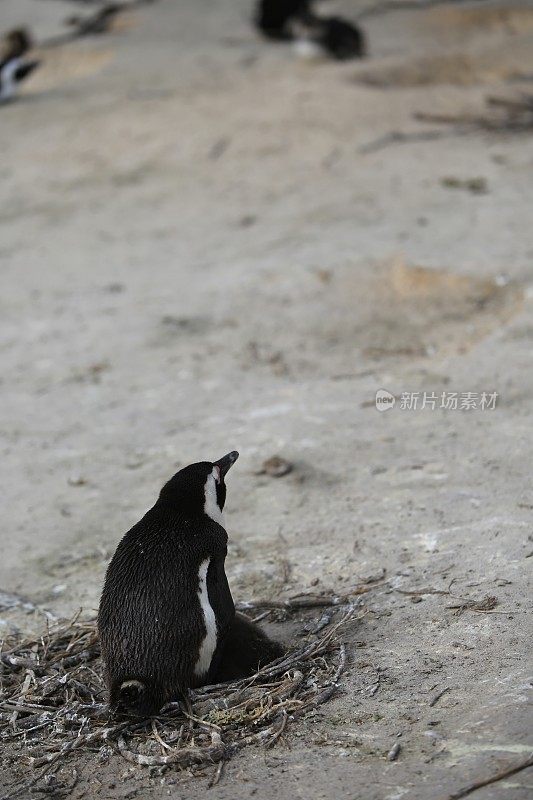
pixel 54 687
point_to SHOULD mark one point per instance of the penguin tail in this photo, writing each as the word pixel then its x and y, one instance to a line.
pixel 130 693
pixel 132 697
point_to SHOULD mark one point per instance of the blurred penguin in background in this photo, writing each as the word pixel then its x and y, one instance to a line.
pixel 299 21
pixel 14 67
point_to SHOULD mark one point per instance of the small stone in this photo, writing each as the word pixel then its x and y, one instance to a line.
pixel 247 220
pixel 394 752
pixel 77 480
pixel 276 467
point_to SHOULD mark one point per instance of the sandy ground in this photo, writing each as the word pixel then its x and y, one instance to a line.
pixel 198 254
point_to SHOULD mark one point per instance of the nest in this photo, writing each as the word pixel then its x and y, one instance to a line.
pixel 54 701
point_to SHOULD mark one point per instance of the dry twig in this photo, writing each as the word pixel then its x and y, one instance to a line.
pixel 301 601
pixel 504 115
pixel 498 776
pixel 385 6
pixel 54 692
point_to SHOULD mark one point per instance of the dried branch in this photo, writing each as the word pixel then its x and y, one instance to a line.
pixel 498 776
pixel 385 6
pixel 54 707
pixel 505 115
pixel 301 601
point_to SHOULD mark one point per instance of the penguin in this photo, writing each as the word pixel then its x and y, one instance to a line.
pixel 273 17
pixel 340 39
pixel 13 67
pixel 15 43
pixel 166 612
pixel 297 20
pixel 12 72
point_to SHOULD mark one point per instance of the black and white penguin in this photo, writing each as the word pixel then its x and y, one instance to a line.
pixel 12 73
pixel 274 17
pixel 13 67
pixel 166 611
pixel 340 39
pixel 298 20
pixel 15 43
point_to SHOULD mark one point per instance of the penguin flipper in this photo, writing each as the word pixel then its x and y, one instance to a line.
pixel 220 597
pixel 25 69
pixel 245 649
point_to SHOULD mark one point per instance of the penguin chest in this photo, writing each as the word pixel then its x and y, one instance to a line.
pixel 209 642
pixel 7 79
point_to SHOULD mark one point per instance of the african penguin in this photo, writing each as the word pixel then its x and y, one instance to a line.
pixel 166 606
pixel 12 71
pixel 166 610
pixel 298 20
pixel 273 17
pixel 15 43
pixel 340 39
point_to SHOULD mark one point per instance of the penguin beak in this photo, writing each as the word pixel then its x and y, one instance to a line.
pixel 225 462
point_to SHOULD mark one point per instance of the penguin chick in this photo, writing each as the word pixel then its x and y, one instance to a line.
pixel 246 649
pixel 12 72
pixel 166 607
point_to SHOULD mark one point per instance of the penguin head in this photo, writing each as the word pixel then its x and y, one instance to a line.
pixel 15 43
pixel 199 488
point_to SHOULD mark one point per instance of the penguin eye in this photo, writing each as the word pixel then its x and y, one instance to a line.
pixel 216 474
